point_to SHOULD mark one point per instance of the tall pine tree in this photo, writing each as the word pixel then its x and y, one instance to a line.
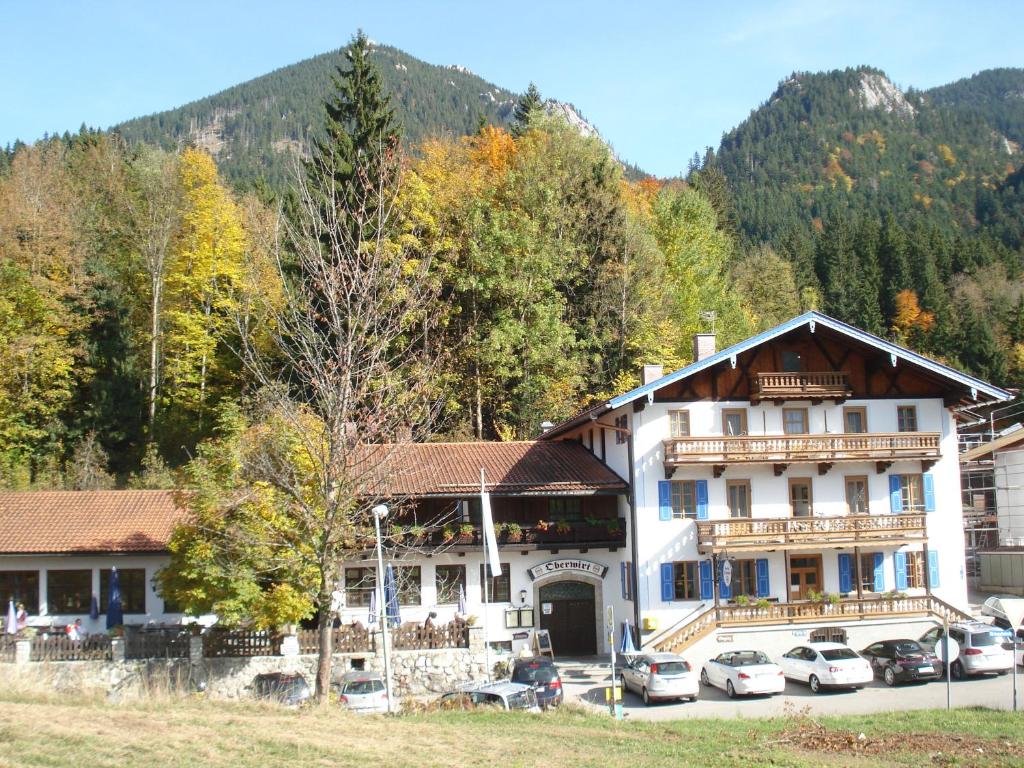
pixel 528 103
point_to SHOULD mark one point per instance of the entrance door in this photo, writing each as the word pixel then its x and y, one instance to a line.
pixel 804 575
pixel 567 611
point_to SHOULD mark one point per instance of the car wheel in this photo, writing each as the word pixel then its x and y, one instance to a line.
pixel 704 677
pixel 692 699
pixel 890 677
pixel 956 670
pixel 815 684
pixel 729 690
pixel 646 697
pixel 1002 672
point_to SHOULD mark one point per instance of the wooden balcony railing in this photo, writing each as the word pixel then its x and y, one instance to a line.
pixel 541 535
pixel 783 449
pixel 790 532
pixel 827 385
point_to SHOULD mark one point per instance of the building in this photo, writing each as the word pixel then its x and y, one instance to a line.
pixel 796 477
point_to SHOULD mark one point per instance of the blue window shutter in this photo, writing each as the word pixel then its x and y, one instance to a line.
pixel 879 572
pixel 667 590
pixel 929 491
pixel 845 573
pixel 701 487
pixel 707 591
pixel 664 500
pixel 763 588
pixel 899 560
pixel 895 496
pixel 623 575
pixel 933 568
pixel 725 590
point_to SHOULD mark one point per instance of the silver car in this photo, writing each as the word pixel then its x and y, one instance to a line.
pixel 363 692
pixel 660 676
pixel 502 694
pixel 981 648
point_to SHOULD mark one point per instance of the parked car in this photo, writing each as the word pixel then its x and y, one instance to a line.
pixel 742 673
pixel 542 674
pixel 363 692
pixel 660 676
pixel 291 690
pixel 826 665
pixel 902 661
pixel 1008 614
pixel 981 648
pixel 504 695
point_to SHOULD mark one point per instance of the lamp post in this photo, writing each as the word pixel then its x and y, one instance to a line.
pixel 381 511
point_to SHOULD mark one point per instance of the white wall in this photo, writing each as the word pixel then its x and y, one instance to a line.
pixel 1009 480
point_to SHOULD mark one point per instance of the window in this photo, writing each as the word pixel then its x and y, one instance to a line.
pixel 744 578
pixel 21 587
pixel 685 581
pixel 738 497
pixel 867 571
pixel 447 580
pixel 794 421
pixel 133 589
pixel 679 423
pixel 499 588
pixel 855 420
pixel 800 496
pixel 621 422
pixel 684 499
pixel 857 495
pixel 565 509
pixel 359 585
pixel 734 421
pixel 791 362
pixel 407 579
pixel 911 492
pixel 68 591
pixel 915 570
pixel 906 418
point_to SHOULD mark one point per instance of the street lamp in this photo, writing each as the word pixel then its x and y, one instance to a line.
pixel 379 512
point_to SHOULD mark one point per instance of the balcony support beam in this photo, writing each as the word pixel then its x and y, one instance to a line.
pixel 882 466
pixel 717 470
pixel 824 467
pixel 778 469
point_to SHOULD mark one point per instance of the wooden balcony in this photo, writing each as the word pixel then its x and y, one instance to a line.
pixel 884 447
pixel 795 613
pixel 608 534
pixel 816 387
pixel 738 534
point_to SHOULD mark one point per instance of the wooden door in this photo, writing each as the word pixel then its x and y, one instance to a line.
pixel 804 575
pixel 568 613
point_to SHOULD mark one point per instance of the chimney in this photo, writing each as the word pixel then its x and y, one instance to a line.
pixel 652 373
pixel 545 426
pixel 703 346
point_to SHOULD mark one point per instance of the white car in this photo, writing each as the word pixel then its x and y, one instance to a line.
pixel 826 665
pixel 742 673
pixel 660 676
pixel 363 692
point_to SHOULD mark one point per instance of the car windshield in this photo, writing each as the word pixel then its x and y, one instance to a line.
pixel 749 658
pixel 669 667
pixel 838 654
pixel 534 673
pixel 908 649
pixel 358 687
pixel 524 699
pixel 981 639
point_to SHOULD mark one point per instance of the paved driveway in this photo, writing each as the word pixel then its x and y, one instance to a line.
pixel 588 686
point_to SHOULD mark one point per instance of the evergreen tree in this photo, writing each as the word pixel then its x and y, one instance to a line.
pixel 528 103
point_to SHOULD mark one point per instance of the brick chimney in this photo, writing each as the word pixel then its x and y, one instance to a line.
pixel 703 346
pixel 651 373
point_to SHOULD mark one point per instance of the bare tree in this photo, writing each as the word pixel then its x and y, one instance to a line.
pixel 350 374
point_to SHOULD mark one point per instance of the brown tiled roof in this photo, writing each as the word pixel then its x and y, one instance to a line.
pixel 516 468
pixel 87 521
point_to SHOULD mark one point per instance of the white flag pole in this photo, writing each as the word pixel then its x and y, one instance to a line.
pixel 484 515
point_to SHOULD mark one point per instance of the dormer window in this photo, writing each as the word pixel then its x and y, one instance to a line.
pixel 679 423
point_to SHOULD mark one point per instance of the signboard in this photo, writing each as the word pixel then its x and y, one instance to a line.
pixel 520 635
pixel 563 565
pixel 545 608
pixel 947 644
pixel 542 643
pixel 726 572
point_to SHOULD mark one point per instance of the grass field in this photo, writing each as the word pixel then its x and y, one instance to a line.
pixel 48 731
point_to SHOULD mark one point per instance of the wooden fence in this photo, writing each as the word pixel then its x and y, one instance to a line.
pixel 8 646
pixel 347 639
pixel 57 648
pixel 410 637
pixel 165 644
pixel 240 643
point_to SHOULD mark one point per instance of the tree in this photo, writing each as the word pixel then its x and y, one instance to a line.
pixel 768 286
pixel 88 466
pixel 529 104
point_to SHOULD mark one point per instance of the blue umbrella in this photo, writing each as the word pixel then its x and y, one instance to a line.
pixel 462 601
pixel 94 608
pixel 115 615
pixel 391 597
pixel 373 606
pixel 627 648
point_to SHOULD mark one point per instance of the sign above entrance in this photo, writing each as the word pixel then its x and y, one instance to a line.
pixel 567 564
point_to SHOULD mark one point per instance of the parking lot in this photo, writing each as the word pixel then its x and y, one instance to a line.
pixel 586 684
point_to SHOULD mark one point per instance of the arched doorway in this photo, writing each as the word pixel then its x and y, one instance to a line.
pixel 568 613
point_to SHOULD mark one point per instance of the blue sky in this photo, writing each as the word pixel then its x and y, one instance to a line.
pixel 660 80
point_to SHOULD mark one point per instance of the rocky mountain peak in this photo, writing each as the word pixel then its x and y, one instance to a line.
pixel 876 91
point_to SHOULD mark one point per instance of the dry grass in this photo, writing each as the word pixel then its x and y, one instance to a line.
pixel 43 730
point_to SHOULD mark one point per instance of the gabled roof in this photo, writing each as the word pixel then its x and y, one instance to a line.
pixel 810 319
pixel 70 522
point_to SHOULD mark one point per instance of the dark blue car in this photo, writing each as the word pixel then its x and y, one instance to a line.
pixel 542 674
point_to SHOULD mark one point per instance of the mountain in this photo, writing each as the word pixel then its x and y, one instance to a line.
pixel 852 142
pixel 258 127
